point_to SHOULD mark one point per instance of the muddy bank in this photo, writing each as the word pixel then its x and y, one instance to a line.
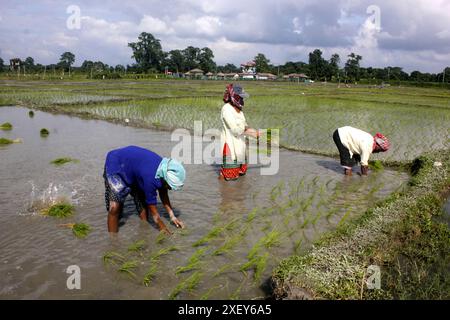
pixel 401 236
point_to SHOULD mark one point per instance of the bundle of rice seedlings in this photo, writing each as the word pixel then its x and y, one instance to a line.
pixel 59 210
pixel 150 275
pixel 376 165
pixel 44 132
pixel 81 230
pixel 162 252
pixel 6 126
pixel 137 246
pixel 215 232
pixel 112 257
pixel 193 262
pixel 128 267
pixel 62 161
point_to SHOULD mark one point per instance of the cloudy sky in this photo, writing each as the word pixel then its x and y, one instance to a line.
pixel 413 34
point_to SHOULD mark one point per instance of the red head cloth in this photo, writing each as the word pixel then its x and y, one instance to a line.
pixel 235 95
pixel 381 143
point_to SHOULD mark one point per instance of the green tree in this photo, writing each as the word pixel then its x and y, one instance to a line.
pixel 66 61
pixel 175 61
pixel 333 65
pixel 2 65
pixel 317 65
pixel 352 67
pixel 86 66
pixel 29 64
pixel 205 58
pixel 228 68
pixel 147 52
pixel 262 63
pixel 191 57
pixel 119 68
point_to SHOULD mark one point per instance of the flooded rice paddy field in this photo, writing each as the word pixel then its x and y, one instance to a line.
pixel 415 119
pixel 236 231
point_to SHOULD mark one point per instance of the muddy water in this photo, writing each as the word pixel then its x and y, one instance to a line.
pixel 308 196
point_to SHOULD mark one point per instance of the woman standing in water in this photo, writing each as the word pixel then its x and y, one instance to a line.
pixel 233 133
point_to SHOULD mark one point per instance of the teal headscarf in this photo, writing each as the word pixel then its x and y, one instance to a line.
pixel 172 172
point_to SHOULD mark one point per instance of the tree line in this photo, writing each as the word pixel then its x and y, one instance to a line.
pixel 150 58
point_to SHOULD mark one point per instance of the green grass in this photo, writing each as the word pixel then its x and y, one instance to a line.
pixel 59 210
pixel 6 126
pixel 62 161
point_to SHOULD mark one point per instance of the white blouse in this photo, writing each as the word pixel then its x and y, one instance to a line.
pixel 234 125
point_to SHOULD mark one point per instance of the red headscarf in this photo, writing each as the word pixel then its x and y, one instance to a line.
pixel 231 97
pixel 380 143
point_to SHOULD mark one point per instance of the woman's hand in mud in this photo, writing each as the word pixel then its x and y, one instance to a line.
pixel 177 222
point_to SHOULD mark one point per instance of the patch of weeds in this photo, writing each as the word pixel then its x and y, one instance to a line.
pixel 59 210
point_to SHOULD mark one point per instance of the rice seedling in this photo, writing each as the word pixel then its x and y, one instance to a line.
pixel 189 284
pixel 137 246
pixel 344 217
pixel 260 267
pixel 193 281
pixel 236 294
pixel 331 213
pixel 252 215
pixel 6 126
pixel 223 269
pixel 208 293
pixel 162 236
pixel 316 217
pixel 59 210
pixel 272 239
pixel 44 132
pixel 150 275
pixel 112 257
pixel 228 245
pixel 214 233
pixel 193 262
pixel 62 161
pixel 297 246
pixel 4 141
pixel 128 268
pixel 31 113
pixel 162 252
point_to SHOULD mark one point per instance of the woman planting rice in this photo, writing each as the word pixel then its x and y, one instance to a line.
pixel 140 173
pixel 356 146
pixel 233 134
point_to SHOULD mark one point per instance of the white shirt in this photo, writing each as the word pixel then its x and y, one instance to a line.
pixel 234 124
pixel 357 142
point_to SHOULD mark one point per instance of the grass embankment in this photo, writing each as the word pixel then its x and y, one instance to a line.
pixel 402 235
